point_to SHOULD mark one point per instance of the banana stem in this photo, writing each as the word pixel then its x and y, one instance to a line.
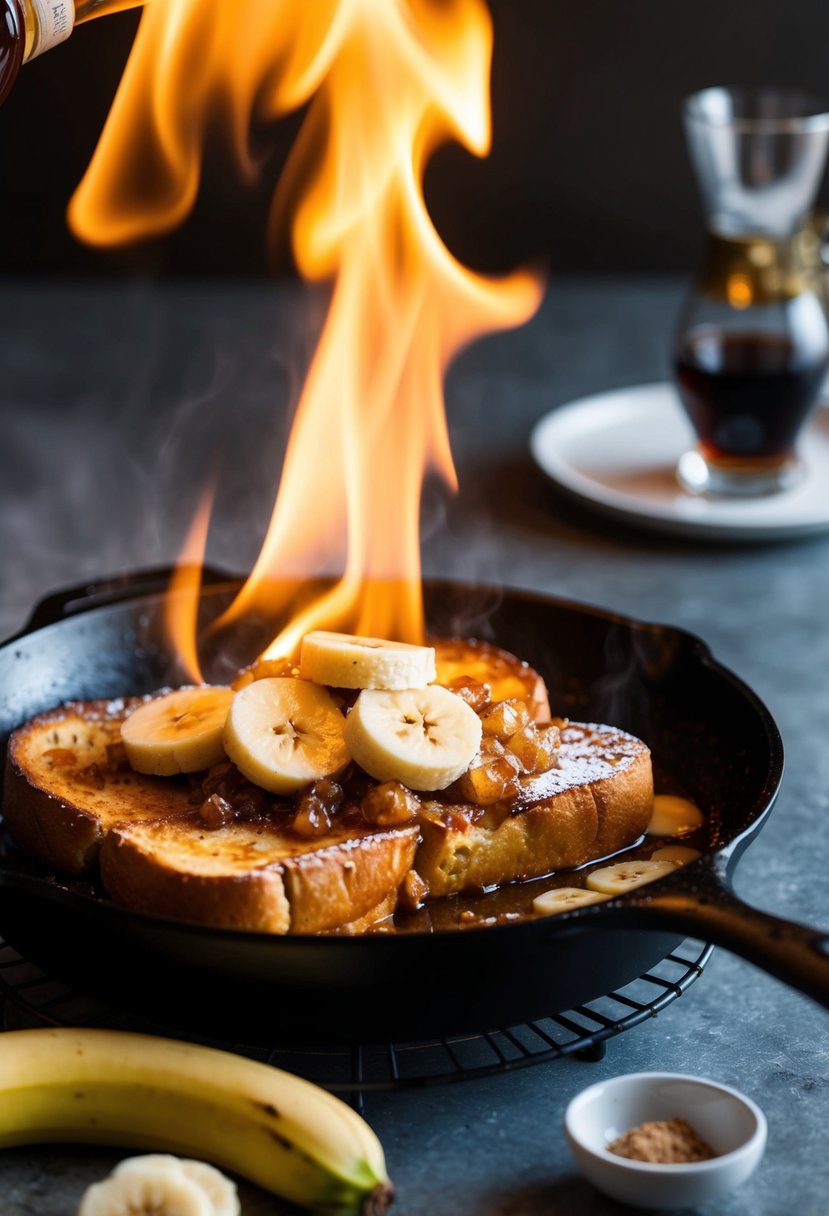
pixel 378 1201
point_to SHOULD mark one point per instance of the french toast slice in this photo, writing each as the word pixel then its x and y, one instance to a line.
pixel 71 801
pixel 596 801
pixel 255 876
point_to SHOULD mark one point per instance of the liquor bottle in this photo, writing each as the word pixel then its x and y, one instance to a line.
pixel 30 27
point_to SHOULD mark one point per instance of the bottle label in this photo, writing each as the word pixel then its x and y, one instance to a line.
pixel 55 21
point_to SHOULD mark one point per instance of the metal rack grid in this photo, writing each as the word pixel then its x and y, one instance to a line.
pixel 32 998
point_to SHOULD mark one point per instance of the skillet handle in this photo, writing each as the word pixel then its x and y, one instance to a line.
pixel 703 904
pixel 71 601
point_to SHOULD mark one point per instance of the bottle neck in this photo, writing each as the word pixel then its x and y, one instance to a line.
pixel 47 23
pixel 85 10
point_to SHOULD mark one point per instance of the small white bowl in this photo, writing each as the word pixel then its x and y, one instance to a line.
pixel 731 1123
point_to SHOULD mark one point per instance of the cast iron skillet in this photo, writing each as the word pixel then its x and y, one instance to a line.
pixel 707 728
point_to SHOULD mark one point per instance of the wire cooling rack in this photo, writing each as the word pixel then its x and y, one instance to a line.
pixel 32 998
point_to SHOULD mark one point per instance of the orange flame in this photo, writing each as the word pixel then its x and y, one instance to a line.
pixel 387 82
pixel 182 603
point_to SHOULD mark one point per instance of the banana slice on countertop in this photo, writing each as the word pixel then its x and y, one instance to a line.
pixel 626 875
pixel 283 733
pixel 422 737
pixel 674 816
pixel 563 899
pixel 219 1191
pixel 149 1188
pixel 179 732
pixel 343 660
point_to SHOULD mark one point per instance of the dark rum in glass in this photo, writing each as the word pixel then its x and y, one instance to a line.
pixel 748 393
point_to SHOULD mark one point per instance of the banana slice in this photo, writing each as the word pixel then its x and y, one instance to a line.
pixel 626 875
pixel 284 733
pixel 677 854
pixel 674 816
pixel 562 899
pixel 180 732
pixel 149 1188
pixel 422 737
pixel 219 1191
pixel 343 660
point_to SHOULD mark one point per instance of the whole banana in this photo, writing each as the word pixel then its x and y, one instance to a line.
pixel 113 1087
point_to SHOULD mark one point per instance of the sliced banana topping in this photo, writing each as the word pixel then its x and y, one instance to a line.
pixel 422 737
pixel 627 875
pixel 219 1191
pixel 284 733
pixel 563 899
pixel 179 732
pixel 674 816
pixel 678 854
pixel 342 660
pixel 149 1188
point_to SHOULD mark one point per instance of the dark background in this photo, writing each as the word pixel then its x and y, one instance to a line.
pixel 588 169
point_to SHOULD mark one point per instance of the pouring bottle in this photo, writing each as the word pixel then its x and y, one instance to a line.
pixel 30 27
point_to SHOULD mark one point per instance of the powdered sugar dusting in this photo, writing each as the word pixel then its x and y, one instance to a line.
pixel 588 752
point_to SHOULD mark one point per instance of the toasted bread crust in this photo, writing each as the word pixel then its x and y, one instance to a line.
pixel 142 874
pixel 354 875
pixel 596 802
pixel 59 811
pixel 249 876
pixel 369 920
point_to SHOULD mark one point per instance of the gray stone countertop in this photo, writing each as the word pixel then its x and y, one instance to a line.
pixel 114 400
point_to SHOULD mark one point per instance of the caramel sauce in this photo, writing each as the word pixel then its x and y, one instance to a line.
pixel 12 44
pixel 514 901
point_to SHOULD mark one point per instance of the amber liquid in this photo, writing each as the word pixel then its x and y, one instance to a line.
pixel 12 39
pixel 747 394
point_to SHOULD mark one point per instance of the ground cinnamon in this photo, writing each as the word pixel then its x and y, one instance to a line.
pixel 672 1141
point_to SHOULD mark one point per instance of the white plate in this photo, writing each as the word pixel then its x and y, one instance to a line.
pixel 619 450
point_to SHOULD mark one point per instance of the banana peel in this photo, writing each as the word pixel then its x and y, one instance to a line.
pixel 118 1088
